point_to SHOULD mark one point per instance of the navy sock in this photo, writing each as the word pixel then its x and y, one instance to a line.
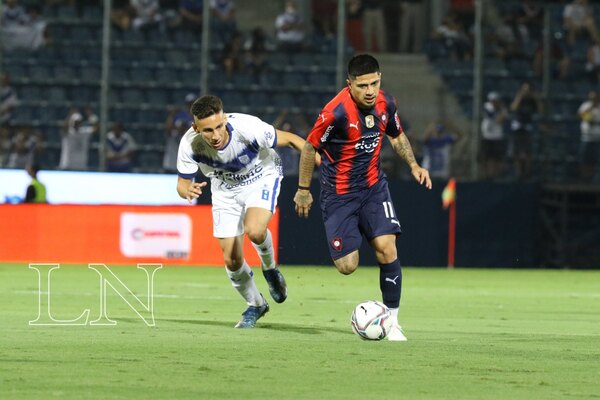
pixel 390 283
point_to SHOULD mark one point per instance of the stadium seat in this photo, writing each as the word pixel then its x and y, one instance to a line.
pixel 56 94
pixel 133 96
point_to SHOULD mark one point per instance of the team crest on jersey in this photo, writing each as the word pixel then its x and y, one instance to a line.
pixel 336 243
pixel 244 159
pixel 369 121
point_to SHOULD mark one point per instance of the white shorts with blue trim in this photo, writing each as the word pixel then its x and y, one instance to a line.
pixel 229 205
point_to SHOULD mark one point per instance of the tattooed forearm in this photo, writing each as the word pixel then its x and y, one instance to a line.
pixel 402 147
pixel 307 164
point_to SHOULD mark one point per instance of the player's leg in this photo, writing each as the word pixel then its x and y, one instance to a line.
pixel 228 228
pixel 261 202
pixel 242 279
pixel 348 263
pixel 379 222
pixel 390 279
pixel 340 217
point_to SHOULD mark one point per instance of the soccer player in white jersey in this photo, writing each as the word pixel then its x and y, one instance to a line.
pixel 236 151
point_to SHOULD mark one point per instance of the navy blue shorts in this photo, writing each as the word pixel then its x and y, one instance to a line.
pixel 348 217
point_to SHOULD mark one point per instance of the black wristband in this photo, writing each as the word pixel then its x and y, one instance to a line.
pixel 303 187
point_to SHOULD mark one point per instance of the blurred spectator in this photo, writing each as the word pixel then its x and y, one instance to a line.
pixel 452 36
pixel 412 22
pixel 589 113
pixel 256 48
pixel 4 145
pixel 121 14
pixel 291 122
pixel 592 66
pixel 354 24
pixel 374 26
pixel 578 18
pixel 233 58
pixel 145 12
pixel 510 37
pixel 324 18
pixel 531 14
pixel 464 12
pixel 75 143
pixel 8 100
pixel 20 29
pixel 25 147
pixel 559 60
pixel 120 149
pixel 178 122
pixel 36 191
pixel 526 106
pixel 438 141
pixel 190 12
pixel 223 22
pixel 290 28
pixel 493 143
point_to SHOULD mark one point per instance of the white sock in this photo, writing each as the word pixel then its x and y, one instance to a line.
pixel 394 316
pixel 242 280
pixel 265 252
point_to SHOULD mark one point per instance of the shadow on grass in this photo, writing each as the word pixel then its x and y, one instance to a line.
pixel 302 329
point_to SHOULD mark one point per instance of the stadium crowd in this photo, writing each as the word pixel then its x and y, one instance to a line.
pixel 266 69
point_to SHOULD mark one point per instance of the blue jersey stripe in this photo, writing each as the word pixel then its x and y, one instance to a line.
pixel 274 195
pixel 186 176
pixel 235 165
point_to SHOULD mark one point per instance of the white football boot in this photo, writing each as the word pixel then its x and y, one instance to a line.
pixel 395 334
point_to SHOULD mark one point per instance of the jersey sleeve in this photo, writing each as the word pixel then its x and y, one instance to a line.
pixel 186 166
pixel 265 134
pixel 394 126
pixel 321 129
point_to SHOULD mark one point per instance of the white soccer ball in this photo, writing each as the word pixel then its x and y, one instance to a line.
pixel 371 320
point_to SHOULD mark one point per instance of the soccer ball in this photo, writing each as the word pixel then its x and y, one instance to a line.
pixel 371 320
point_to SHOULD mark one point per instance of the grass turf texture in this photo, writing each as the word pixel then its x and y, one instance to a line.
pixel 473 334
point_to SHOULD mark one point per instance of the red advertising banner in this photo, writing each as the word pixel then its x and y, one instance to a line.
pixel 110 234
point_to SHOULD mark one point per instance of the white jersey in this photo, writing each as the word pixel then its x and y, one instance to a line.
pixel 247 157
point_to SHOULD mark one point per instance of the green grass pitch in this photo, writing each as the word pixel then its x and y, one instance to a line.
pixel 473 334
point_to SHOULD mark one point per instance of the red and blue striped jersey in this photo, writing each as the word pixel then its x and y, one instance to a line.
pixel 349 140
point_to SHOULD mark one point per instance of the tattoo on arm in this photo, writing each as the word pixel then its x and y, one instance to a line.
pixel 307 164
pixel 403 148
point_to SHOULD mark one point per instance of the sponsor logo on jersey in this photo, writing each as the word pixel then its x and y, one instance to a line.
pixel 326 134
pixel 369 143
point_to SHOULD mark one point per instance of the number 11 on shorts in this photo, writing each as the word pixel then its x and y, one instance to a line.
pixel 388 209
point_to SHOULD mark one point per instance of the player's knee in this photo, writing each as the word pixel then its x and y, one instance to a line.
pixel 346 268
pixel 233 263
pixel 387 255
pixel 256 235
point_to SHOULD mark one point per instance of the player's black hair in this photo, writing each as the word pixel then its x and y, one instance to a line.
pixel 206 106
pixel 362 64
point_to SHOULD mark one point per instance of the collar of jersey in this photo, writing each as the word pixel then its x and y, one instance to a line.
pixel 230 132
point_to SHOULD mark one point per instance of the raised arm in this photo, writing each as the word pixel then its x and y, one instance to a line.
pixel 402 147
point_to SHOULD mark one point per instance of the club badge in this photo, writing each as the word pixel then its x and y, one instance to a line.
pixel 369 121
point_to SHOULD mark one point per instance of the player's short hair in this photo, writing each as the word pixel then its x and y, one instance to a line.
pixel 206 106
pixel 362 64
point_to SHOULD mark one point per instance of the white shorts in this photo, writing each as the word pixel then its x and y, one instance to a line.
pixel 229 206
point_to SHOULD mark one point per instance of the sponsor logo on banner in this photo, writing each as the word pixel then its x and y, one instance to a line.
pixel 163 235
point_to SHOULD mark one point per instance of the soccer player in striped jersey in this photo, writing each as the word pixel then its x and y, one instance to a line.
pixel 236 151
pixel 355 200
